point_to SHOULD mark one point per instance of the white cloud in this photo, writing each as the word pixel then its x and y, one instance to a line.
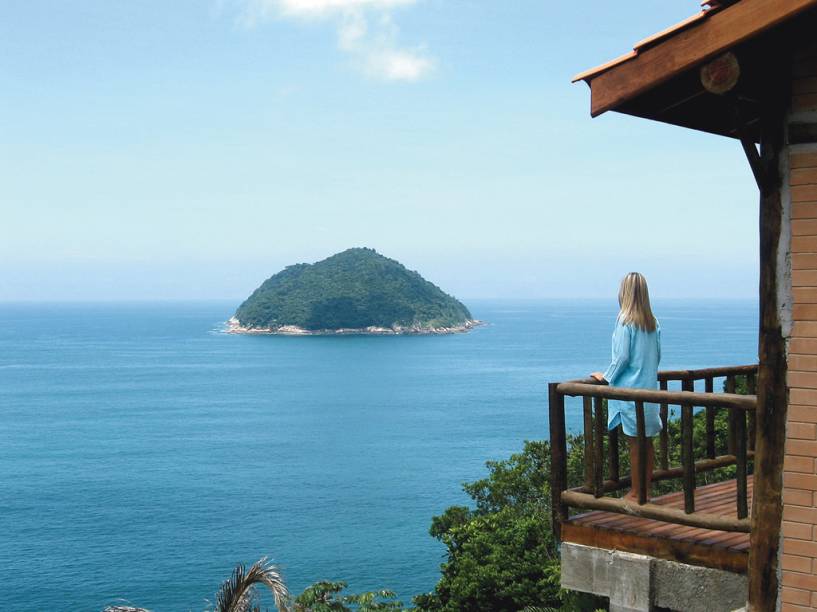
pixel 399 65
pixel 372 49
pixel 318 8
pixel 352 31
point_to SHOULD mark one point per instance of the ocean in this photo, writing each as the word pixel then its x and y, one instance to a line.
pixel 144 452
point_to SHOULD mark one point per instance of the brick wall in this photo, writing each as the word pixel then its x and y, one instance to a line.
pixel 799 555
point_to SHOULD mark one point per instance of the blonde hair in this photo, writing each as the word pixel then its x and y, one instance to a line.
pixel 634 300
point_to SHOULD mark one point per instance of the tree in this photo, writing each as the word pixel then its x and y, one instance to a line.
pixel 325 597
pixel 357 288
pixel 501 554
pixel 238 593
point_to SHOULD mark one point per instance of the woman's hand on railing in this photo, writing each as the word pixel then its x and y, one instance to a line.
pixel 596 378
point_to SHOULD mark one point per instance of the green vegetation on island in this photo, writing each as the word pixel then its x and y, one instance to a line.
pixel 357 289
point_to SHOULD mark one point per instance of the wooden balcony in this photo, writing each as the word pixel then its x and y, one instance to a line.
pixel 699 525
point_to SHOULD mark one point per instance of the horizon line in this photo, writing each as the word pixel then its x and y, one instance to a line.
pixel 155 300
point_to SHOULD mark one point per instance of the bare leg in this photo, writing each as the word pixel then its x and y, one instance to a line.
pixel 632 494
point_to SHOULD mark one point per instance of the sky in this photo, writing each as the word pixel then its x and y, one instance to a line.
pixel 156 150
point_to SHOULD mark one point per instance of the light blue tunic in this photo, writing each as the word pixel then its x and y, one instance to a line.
pixel 636 354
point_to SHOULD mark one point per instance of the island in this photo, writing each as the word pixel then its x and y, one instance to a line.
pixel 357 291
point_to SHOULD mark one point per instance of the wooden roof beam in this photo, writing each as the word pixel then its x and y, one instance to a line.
pixel 657 64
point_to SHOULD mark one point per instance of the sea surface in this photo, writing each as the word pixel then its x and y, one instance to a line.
pixel 143 452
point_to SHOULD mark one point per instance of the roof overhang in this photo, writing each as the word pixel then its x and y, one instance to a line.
pixel 660 78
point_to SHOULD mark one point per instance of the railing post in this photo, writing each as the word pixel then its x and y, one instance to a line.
pixel 730 388
pixel 589 455
pixel 558 458
pixel 642 453
pixel 709 387
pixel 595 424
pixel 687 456
pixel 612 455
pixel 740 463
pixel 664 437
pixel 751 385
pixel 598 448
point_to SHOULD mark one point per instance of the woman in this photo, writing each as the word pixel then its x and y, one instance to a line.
pixel 636 353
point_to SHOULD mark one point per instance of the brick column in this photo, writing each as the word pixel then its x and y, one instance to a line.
pixel 799 529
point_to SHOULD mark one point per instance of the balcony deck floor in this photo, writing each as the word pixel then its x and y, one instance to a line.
pixel 711 548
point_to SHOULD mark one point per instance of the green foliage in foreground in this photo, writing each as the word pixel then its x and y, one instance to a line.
pixel 326 597
pixel 501 555
pixel 357 288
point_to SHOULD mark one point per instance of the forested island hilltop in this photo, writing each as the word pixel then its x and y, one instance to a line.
pixel 357 291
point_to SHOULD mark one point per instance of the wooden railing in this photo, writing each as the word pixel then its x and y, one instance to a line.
pixel 591 495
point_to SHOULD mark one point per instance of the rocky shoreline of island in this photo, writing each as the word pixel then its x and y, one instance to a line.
pixel 234 326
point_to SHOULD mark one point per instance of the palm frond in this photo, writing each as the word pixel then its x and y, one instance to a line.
pixel 237 594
